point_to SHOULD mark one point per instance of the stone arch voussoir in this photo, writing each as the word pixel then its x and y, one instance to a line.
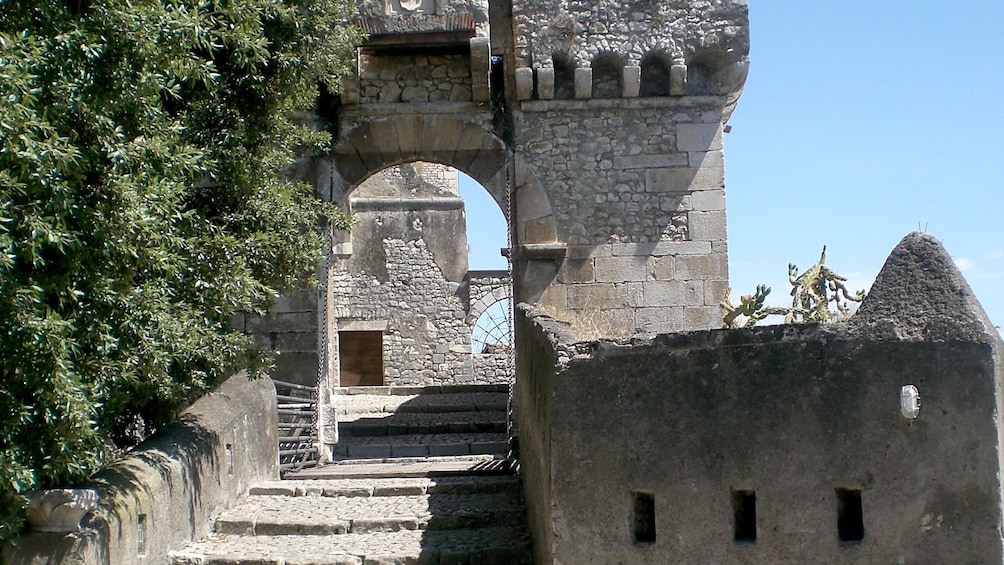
pixel 376 144
pixel 486 301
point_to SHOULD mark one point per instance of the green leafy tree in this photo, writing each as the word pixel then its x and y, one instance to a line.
pixel 142 203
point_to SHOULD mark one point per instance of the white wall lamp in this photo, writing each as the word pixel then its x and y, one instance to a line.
pixel 909 402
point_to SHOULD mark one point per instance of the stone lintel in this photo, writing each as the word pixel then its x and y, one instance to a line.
pixel 405 204
pixel 362 325
pixel 554 250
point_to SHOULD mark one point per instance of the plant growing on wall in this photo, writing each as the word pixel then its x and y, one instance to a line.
pixel 141 206
pixel 813 294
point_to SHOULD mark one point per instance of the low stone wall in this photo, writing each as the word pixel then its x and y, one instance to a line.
pixel 492 368
pixel 781 444
pixel 164 493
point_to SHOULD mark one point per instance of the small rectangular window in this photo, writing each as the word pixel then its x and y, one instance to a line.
pixel 744 515
pixel 850 521
pixel 141 535
pixel 644 517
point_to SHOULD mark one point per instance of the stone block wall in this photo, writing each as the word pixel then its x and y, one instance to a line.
pixel 427 339
pixel 290 330
pixel 711 38
pixel 619 112
pixel 646 245
pixel 404 274
pixel 414 78
pixel 781 444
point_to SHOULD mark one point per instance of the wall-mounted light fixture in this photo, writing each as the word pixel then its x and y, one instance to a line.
pixel 909 402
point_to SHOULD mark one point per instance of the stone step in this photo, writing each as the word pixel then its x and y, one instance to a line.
pixel 415 390
pixel 421 445
pixel 482 546
pixel 431 403
pixel 368 424
pixel 407 486
pixel 475 465
pixel 329 515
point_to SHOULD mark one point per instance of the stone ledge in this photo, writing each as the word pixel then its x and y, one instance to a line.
pixel 369 111
pixel 621 103
pixel 555 250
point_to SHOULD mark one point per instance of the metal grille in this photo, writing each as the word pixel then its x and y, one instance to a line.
pixel 492 333
pixel 297 425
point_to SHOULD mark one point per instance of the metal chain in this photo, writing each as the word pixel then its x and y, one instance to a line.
pixel 323 347
pixel 511 361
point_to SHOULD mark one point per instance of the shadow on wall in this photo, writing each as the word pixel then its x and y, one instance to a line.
pixel 774 444
pixel 162 494
pixel 478 517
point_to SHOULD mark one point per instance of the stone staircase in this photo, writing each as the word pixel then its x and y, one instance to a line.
pixel 419 477
pixel 382 422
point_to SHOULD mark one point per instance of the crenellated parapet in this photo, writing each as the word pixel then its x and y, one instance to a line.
pixel 630 48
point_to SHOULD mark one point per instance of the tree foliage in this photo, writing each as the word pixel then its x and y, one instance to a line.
pixel 141 205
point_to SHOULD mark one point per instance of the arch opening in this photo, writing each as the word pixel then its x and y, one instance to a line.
pixel 407 277
pixel 654 75
pixel 564 78
pixel 608 76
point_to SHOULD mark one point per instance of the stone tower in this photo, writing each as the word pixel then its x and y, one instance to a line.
pixel 596 126
pixel 618 110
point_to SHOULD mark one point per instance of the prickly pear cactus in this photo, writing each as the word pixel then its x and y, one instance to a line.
pixel 812 293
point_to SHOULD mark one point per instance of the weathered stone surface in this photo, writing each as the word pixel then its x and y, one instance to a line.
pixel 920 294
pixel 714 35
pixel 159 497
pixel 524 83
pixel 699 137
pixel 583 83
pixel 734 407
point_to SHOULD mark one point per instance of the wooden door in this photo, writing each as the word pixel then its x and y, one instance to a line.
pixel 360 358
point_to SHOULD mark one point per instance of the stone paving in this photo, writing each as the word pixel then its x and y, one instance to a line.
pixel 382 503
pixel 447 402
pixel 321 515
pixel 368 424
pixel 409 467
pixel 418 445
pixel 483 546
pixel 388 486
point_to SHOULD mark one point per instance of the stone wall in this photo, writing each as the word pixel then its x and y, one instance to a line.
pixel 782 444
pixel 646 245
pixel 587 29
pixel 405 271
pixel 290 330
pixel 426 338
pixel 604 120
pixel 414 78
pixel 619 110
pixel 164 493
pixel 707 40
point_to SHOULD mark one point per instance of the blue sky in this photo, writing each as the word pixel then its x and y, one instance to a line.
pixel 861 121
